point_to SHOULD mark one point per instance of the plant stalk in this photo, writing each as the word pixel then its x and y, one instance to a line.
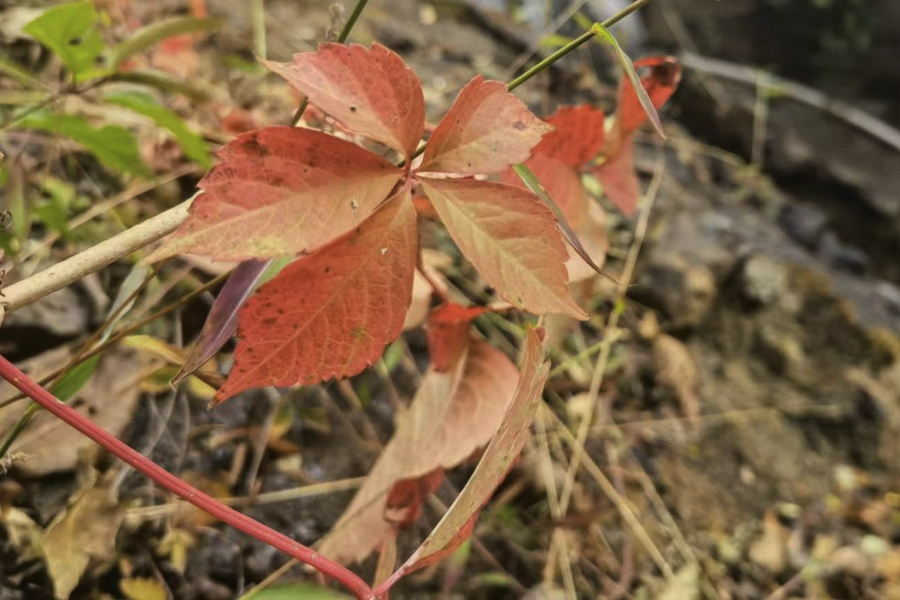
pixel 170 482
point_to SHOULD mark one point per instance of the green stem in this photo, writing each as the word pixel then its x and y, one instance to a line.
pixel 582 39
pixel 341 38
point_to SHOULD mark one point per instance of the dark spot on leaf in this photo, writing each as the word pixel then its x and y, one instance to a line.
pixel 353 109
pixel 252 146
pixel 358 333
pixel 328 269
pixel 520 125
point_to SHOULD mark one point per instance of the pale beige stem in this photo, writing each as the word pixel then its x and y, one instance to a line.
pixel 93 259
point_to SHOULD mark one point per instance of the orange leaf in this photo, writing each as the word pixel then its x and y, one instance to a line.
pixel 561 181
pixel 660 84
pixel 372 92
pixel 281 191
pixel 486 130
pixel 511 236
pixel 448 333
pixel 578 137
pixel 594 240
pixel 620 183
pixel 452 415
pixel 330 314
pixel 501 453
pixel 404 502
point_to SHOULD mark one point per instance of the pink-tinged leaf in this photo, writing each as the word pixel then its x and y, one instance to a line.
pixel 279 192
pixel 448 333
pixel 486 130
pixel 620 183
pixel 223 316
pixel 404 502
pixel 578 137
pixel 330 314
pixel 452 415
pixel 595 242
pixel 511 237
pixel 371 91
pixel 659 84
pixel 501 453
pixel 560 180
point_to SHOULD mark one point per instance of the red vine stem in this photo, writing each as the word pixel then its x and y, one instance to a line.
pixel 206 503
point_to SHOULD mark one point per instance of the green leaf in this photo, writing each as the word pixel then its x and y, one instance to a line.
pixel 13 70
pixel 75 378
pixel 114 146
pixel 155 33
pixel 193 145
pixel 69 31
pixel 163 83
pixel 628 66
pixel 298 591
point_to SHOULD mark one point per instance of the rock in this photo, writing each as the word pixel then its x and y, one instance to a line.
pixel 781 352
pixel 841 256
pixel 770 550
pixel 804 224
pixel 763 279
pixel 889 293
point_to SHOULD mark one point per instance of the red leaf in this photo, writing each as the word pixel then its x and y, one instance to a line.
pixel 578 137
pixel 511 237
pixel 448 333
pixel 330 314
pixel 501 453
pixel 452 415
pixel 660 84
pixel 372 92
pixel 486 130
pixel 281 191
pixel 404 502
pixel 620 183
pixel 560 180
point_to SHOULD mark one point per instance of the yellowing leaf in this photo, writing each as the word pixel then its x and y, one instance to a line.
pixel 142 589
pixel 86 531
pixel 504 449
pixel 511 236
pixel 330 314
pixel 486 130
pixel 372 92
pixel 452 415
pixel 281 191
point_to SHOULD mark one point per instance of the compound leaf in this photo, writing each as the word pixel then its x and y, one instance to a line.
pixel 452 415
pixel 578 136
pixel 371 91
pixel 511 237
pixel 457 524
pixel 330 314
pixel 281 191
pixel 486 130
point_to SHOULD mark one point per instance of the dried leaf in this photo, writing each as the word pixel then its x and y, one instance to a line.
pixel 676 370
pixel 501 453
pixel 511 237
pixel 578 137
pixel 486 130
pixel 330 314
pixel 372 92
pixel 452 415
pixel 403 505
pixel 448 333
pixel 85 532
pixel 222 321
pixel 594 238
pixel 281 191
pixel 140 588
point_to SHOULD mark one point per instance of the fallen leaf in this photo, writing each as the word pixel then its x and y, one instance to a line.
pixel 372 92
pixel 403 505
pixel 330 314
pixel 511 237
pixel 676 370
pixel 486 129
pixel 278 192
pixel 452 415
pixel 448 333
pixel 140 588
pixel 501 453
pixel 85 532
